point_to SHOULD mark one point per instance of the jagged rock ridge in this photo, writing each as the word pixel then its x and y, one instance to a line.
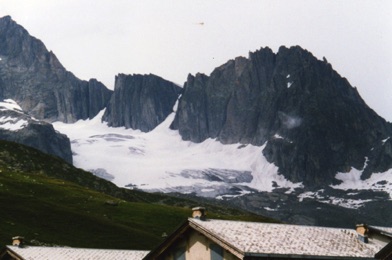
pixel 141 101
pixel 313 122
pixel 36 80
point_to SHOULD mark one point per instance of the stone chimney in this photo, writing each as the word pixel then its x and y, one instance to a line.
pixel 363 230
pixel 18 241
pixel 199 213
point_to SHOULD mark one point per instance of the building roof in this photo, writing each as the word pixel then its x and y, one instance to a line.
pixel 387 231
pixel 63 253
pixel 263 239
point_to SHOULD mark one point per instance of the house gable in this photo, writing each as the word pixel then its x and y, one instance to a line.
pixel 189 243
pixel 7 254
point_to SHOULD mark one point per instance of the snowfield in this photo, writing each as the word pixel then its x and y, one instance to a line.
pixel 161 161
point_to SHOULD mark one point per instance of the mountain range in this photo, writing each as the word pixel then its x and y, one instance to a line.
pixel 268 133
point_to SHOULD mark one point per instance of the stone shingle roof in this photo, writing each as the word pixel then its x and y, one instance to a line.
pixel 281 239
pixel 66 253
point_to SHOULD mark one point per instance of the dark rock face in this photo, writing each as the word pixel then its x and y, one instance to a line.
pixel 314 124
pixel 37 134
pixel 141 101
pixel 287 208
pixel 37 81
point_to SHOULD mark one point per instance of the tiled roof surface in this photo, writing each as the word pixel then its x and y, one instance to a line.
pixel 265 238
pixel 63 253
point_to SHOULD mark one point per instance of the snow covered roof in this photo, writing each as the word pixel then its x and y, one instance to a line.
pixel 262 239
pixel 65 253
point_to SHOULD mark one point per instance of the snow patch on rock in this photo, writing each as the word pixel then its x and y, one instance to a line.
pixel 8 122
pixel 377 182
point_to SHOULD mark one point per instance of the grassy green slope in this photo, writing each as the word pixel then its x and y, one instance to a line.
pixel 50 202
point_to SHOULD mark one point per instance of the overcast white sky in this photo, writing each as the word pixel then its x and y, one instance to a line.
pixel 101 38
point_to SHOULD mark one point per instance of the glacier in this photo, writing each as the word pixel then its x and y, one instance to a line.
pixel 160 161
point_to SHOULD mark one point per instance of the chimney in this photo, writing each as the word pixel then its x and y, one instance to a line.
pixel 18 241
pixel 199 213
pixel 362 230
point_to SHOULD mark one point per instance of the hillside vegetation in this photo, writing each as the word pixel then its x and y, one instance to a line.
pixel 50 202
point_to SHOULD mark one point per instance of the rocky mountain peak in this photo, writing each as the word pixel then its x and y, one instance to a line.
pixel 312 121
pixel 18 46
pixel 37 81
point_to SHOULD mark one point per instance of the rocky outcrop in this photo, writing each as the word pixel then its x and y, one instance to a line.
pixel 141 101
pixel 16 126
pixel 379 158
pixel 314 124
pixel 36 80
